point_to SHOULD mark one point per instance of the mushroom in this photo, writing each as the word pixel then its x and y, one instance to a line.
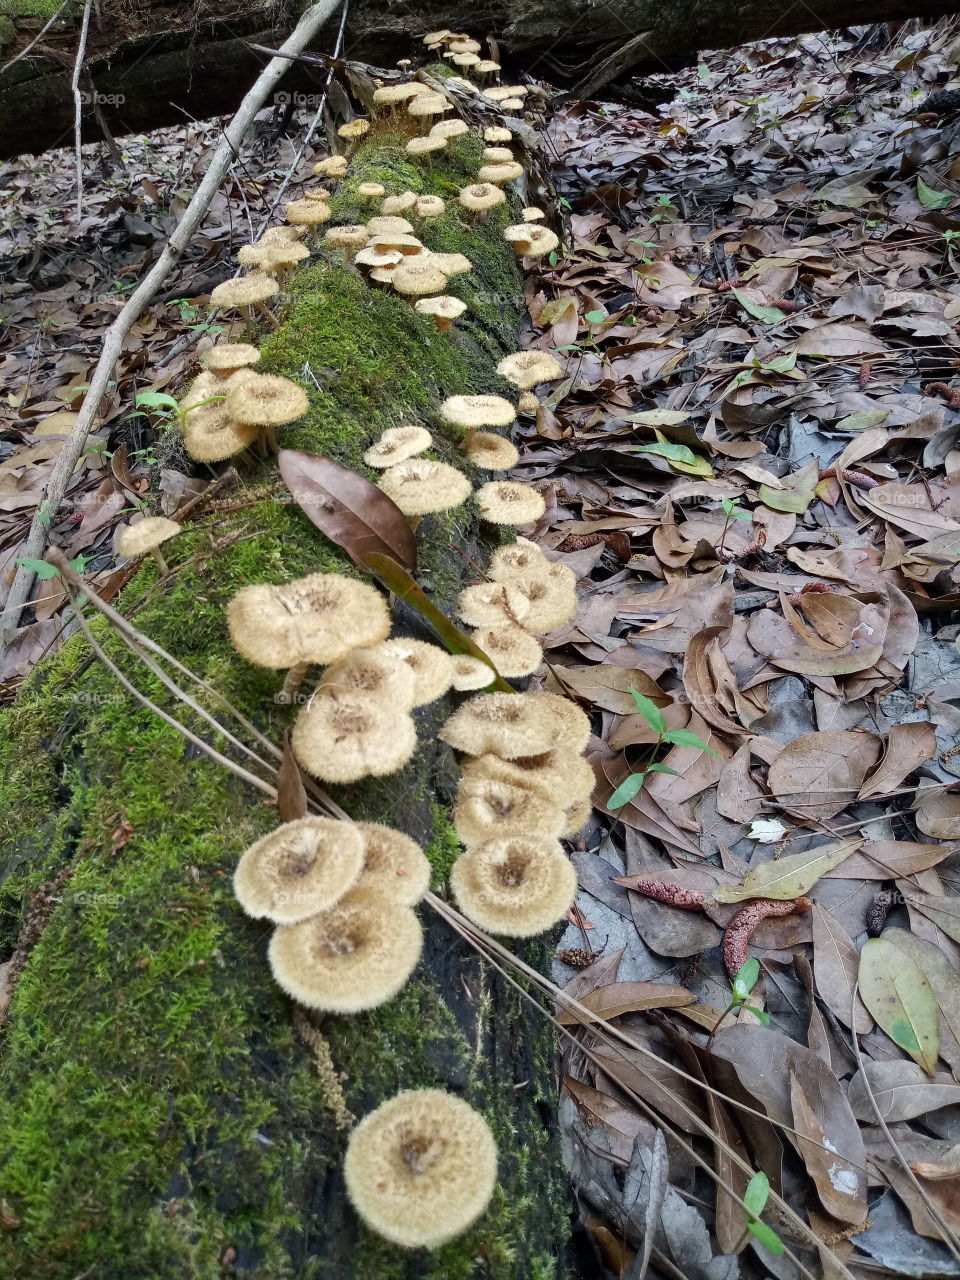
pixel 426 107
pixel 425 147
pixel 519 885
pixel 355 956
pixel 496 133
pixel 528 403
pixel 500 174
pixel 249 291
pixel 575 814
pixel 559 772
pixel 346 238
pixel 332 167
pixel 419 486
pixel 392 225
pixel 529 240
pixel 421 1168
pixel 511 104
pixel 488 808
pixel 488 450
pixel 378 259
pixel 265 401
pixel 479 197
pixel 451 264
pixel 303 867
pixel 487 67
pixel 371 190
pixel 283 233
pixel 393 94
pixel 393 864
pixel 419 279
pixel 210 434
pixel 307 213
pixel 470 673
pixel 353 131
pixel 531 214
pixel 448 130
pixel 467 85
pixel 497 94
pixel 396 445
pixel 316 193
pixel 516 724
pixel 145 537
pixel 492 604
pixel 432 667
pixel 372 671
pixel 552 600
pixel 343 737
pixel 444 310
pixel 382 275
pixel 465 45
pixel 527 369
pixel 406 245
pixel 227 357
pixel 520 559
pixel 477 411
pixel 429 207
pixel 398 204
pixel 509 502
pixel 498 155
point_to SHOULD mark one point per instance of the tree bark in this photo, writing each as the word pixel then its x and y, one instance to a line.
pixel 151 65
pixel 164 1110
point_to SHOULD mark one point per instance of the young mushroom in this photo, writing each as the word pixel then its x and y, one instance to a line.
pixel 488 808
pixel 303 867
pixel 343 736
pixel 332 167
pixel 480 197
pixel 226 358
pixel 421 1168
pixel 531 214
pixel 419 486
pixel 429 207
pixel 393 864
pixel 500 174
pixel 528 403
pixel 353 957
pixel 518 885
pixel 371 191
pixel 145 537
pixel 528 369
pixel 397 444
pixel 249 292
pixel 353 131
pixel 509 502
pixel 265 401
pixel 444 310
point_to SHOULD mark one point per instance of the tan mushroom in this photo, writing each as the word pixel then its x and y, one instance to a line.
pixel 477 411
pixel 392 225
pixel 509 502
pixel 249 292
pixel 418 279
pixel 444 309
pixel 480 198
pixel 227 357
pixel 500 174
pixel 530 240
pixel 527 369
pixel 393 205
pixel 419 486
pixel 145 538
pixel 342 736
pixel 519 885
pixel 397 444
pixel 429 207
pixel 491 452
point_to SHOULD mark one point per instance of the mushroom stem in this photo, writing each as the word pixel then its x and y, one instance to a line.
pixel 267 315
pixel 293 681
pixel 163 566
pixel 267 440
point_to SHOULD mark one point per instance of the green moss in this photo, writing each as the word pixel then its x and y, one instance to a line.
pixel 157 1115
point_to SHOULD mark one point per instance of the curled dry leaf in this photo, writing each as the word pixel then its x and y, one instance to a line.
pixel 627 997
pixel 901 1000
pixel 901 1091
pixel 906 748
pixel 938 813
pixel 841 1187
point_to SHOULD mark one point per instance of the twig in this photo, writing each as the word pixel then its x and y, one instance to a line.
pixel 78 102
pixel 73 446
pixel 36 39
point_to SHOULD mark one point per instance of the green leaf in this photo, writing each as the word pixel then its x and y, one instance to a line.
pixel 766 1236
pixel 861 420
pixel 799 490
pixel 732 511
pixel 649 710
pixel 762 1017
pixel 685 738
pixel 595 317
pixel 781 364
pixel 745 979
pixel 42 568
pixel 757 1189
pixel 662 768
pixel 626 791
pixel 769 315
pixel 931 199
pixel 679 456
pixel 156 400
pixel 898 994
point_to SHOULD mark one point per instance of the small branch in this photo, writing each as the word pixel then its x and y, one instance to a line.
pixel 36 39
pixel 78 103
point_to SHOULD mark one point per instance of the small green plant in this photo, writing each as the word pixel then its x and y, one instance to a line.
pixel 189 311
pixel 755 1199
pixel 647 708
pixel 733 511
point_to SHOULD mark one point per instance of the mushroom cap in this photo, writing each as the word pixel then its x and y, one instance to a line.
pixel 478 411
pixel 354 129
pixel 419 486
pixel 464 59
pixel 470 673
pixel 382 259
pixel 372 671
pixel 520 559
pixel 355 956
pixel 429 104
pixel 371 190
pixel 332 166
pixel 517 885
pixel 492 604
pixel 498 92
pixel 528 403
pixel 392 93
pixel 511 104
pixel 517 90
pixel 465 46
pixel 492 452
pixel 511 649
pixel 351 236
pixel 244 291
pixel 418 279
pixel 516 724
pixel 489 808
pixel 558 775
pixel 283 233
pixel 531 240
pixel 500 174
pixel 497 155
pixel 486 66
pixel 509 502
pixel 445 306
pixel 532 214
pixel 575 815
pixel 432 667
pixel 449 129
pixel 137 539
pixel 210 434
pixel 429 207
pixel 435 37
pixel 461 83
pixel 314 619
pixel 382 275
pixel 451 264
pixel 396 445
pixel 495 133
pixel 204 385
pixel 527 369
pixel 343 737
pixel 423 146
pixel 407 245
pixel 317 193
pixel 393 205
pixel 552 599
pixel 307 213
pixel 481 195
pixel 421 1168
pixel 266 400
pixel 391 226
pixel 393 864
pixel 303 867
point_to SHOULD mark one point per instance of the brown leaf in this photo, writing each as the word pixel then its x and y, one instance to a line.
pixel 699 682
pixel 348 508
pixel 627 997
pixel 291 793
pixel 609 687
pixel 907 747
pixel 900 1090
pixel 835 963
pixel 772 636
pixel 738 795
pixel 889 860
pixel 938 813
pixel 842 1188
pixel 819 774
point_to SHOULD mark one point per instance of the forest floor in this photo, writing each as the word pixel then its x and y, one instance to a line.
pixel 751 466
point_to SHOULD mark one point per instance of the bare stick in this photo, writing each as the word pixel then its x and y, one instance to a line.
pixel 73 447
pixel 36 39
pixel 78 102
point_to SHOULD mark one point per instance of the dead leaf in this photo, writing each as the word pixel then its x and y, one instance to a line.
pixel 842 1187
pixel 902 1001
pixel 819 774
pixel 835 965
pixel 609 687
pixel 291 793
pixel 901 1091
pixel 907 747
pixel 786 878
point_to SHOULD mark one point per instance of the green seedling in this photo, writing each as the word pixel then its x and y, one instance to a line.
pixel 647 708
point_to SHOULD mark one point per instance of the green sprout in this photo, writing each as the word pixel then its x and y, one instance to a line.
pixel 647 708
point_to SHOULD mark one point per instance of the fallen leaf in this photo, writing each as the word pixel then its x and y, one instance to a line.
pixel 902 1001
pixel 841 1187
pixel 901 1091
pixel 907 747
pixel 786 878
pixel 627 997
pixel 609 687
pixel 938 813
pixel 819 774
pixel 291 793
pixel 835 965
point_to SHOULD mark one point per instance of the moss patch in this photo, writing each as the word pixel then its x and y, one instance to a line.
pixel 158 1117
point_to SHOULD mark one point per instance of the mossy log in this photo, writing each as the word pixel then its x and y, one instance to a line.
pixel 159 1115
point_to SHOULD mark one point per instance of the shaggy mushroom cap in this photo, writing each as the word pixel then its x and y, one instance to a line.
pixel 393 864
pixel 497 155
pixel 301 868
pixel 519 885
pixel 137 539
pixel 571 726
pixel 504 724
pixel 227 357
pixel 266 400
pixel 477 411
pixel 492 604
pixel 317 193
pixel 383 275
pixel 481 195
pixel 379 259
pixel 557 775
pixel 465 45
pixel 355 956
pixel 530 214
pixel 396 204
pixel 575 816
pixel 528 369
pixel 429 104
pixel 500 174
pixel 552 599
pixel 396 445
pixel 347 237
pixel 419 486
pixel 470 673
pixel 244 291
pixel 307 213
pixel 521 559
pixel 495 133
pixel 424 146
pixel 451 264
pixel 354 129
pixel 343 737
pixel 204 386
pixel 464 59
pixel 431 666
pixel 283 234
pixel 314 619
pixel 488 809
pixel 511 104
pixel 332 167
pixel 429 207
pixel 530 240
pixel 371 190
pixel 421 1168
pixel 490 451
pixel 498 92
pixel 391 226
pixel 210 434
pixel 393 93
pixel 509 502
pixel 418 279
pixel 443 308
pixel 511 649
pixel 528 403
pixel 372 671
pixel 448 129
pixel 487 66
